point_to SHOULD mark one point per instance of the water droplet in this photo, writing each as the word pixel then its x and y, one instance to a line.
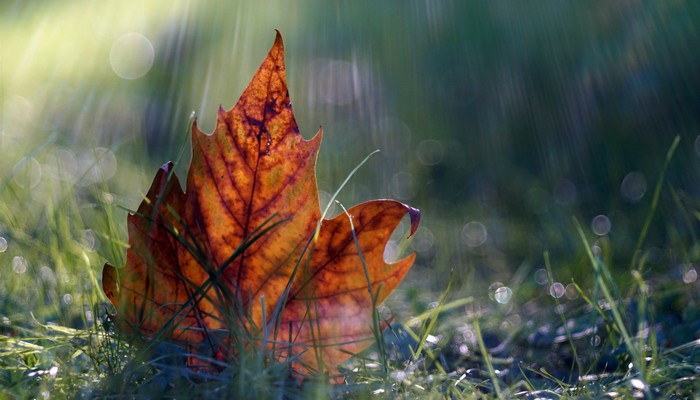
pixel 67 299
pixel 474 234
pixel 131 56
pixel 637 384
pixel 633 187
pixel 27 173
pixel 596 250
pixel 492 289
pixel 3 244
pixel 463 349
pixel 430 152
pixel 19 264
pixel 541 276
pixel 571 292
pixel 690 275
pixel 503 294
pixel 557 290
pixel 601 225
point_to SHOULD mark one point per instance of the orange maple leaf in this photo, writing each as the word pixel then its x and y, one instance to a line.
pixel 245 248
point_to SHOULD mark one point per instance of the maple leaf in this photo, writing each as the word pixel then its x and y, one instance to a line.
pixel 245 248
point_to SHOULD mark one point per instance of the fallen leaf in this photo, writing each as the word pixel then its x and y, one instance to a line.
pixel 245 252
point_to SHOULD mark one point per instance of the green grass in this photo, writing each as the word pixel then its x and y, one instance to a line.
pixel 632 335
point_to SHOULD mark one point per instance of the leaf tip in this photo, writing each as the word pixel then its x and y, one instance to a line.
pixel 414 214
pixel 278 36
pixel 167 167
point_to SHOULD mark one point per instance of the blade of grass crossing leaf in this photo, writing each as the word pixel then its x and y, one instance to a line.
pixel 199 292
pixel 376 326
pixel 337 192
pixel 305 253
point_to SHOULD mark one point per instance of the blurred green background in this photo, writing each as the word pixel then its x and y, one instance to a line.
pixel 499 120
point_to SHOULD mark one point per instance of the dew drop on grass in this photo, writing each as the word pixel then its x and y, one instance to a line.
pixel 557 290
pixel 3 244
pixel 503 294
pixel 67 299
pixel 499 292
pixel 19 264
pixel 691 275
